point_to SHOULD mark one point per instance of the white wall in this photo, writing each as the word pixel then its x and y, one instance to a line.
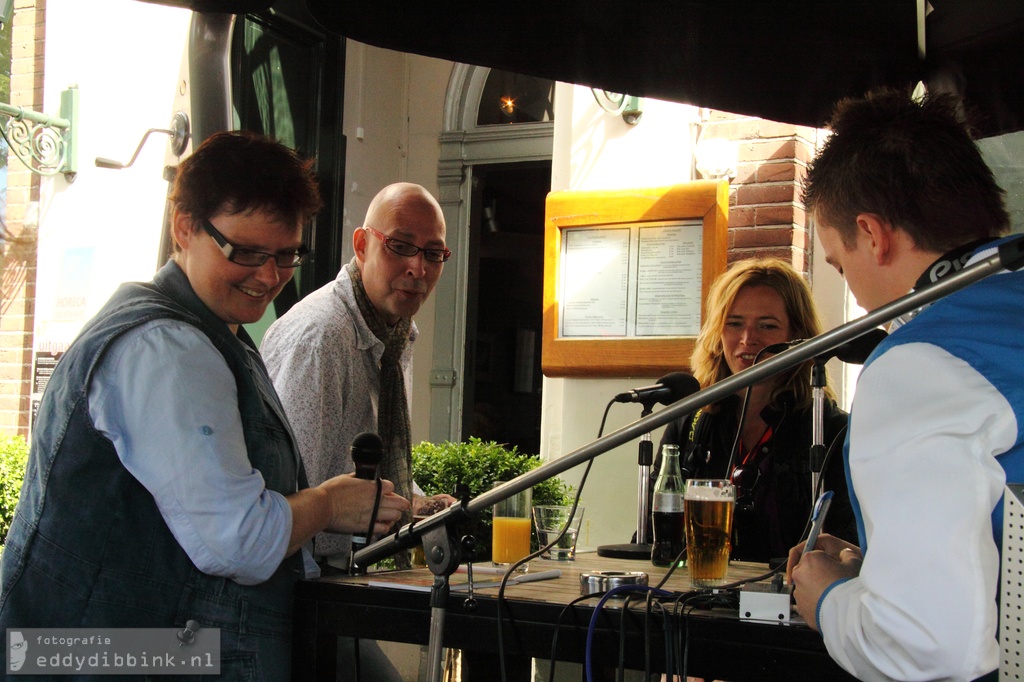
pixel 394 103
pixel 596 150
pixel 125 57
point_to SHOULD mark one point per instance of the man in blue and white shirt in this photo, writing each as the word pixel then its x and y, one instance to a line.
pixel 900 194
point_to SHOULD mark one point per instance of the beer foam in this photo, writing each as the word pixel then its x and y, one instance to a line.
pixel 705 493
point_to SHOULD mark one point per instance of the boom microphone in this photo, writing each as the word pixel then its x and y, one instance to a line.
pixel 857 350
pixel 853 352
pixel 367 450
pixel 670 388
pixel 779 347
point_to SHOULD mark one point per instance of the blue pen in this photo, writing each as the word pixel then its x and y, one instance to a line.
pixel 818 519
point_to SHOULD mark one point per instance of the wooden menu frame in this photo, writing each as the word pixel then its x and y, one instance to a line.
pixel 706 201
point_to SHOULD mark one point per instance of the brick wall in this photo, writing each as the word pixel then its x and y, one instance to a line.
pixel 18 265
pixel 766 217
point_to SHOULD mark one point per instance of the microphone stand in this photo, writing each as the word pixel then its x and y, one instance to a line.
pixel 645 458
pixel 641 549
pixel 817 458
pixel 1010 256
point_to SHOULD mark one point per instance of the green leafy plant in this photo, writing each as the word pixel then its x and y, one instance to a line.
pixel 477 464
pixel 13 459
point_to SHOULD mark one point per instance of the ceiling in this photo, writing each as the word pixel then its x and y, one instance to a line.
pixel 786 61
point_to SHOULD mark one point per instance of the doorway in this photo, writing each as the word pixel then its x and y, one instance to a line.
pixel 502 392
pixel 494 175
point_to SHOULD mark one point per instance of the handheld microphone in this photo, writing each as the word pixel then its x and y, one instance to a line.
pixel 367 450
pixel 670 388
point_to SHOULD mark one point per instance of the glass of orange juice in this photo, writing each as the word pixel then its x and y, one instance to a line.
pixel 510 528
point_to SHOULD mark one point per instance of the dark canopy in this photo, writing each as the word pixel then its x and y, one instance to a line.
pixel 785 60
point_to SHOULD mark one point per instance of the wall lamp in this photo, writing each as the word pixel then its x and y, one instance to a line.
pixel 45 144
pixel 614 103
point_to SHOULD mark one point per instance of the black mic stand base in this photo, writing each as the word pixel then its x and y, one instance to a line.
pixel 630 550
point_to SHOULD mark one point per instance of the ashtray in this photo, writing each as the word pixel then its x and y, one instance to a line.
pixel 597 582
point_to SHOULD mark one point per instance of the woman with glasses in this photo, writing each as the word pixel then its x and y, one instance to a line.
pixel 164 484
pixel 765 448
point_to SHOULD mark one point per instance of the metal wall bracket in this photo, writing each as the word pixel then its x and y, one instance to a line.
pixel 45 144
pixel 179 133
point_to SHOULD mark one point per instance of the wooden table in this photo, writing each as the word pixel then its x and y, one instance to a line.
pixel 720 644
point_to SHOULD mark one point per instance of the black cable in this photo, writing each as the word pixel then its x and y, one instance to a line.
pixel 558 624
pixel 369 534
pixel 743 415
pixel 647 635
pixel 821 480
pixel 724 595
pixel 672 569
pixel 373 514
pixel 620 669
pixel 534 555
pixel 370 530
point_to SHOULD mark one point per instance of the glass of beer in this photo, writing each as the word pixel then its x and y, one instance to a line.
pixel 510 529
pixel 708 505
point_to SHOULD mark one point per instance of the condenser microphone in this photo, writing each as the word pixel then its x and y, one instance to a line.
pixel 779 347
pixel 367 450
pixel 855 351
pixel 670 388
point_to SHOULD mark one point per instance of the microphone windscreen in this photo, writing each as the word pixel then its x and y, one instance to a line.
pixel 367 449
pixel 857 350
pixel 680 384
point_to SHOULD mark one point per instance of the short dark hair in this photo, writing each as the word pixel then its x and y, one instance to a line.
pixel 912 162
pixel 246 171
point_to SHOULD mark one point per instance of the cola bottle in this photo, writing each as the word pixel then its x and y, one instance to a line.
pixel 667 508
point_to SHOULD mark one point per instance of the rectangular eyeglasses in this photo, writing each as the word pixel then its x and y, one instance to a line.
pixel 252 258
pixel 409 250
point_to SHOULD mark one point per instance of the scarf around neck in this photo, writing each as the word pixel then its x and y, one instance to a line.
pixel 393 424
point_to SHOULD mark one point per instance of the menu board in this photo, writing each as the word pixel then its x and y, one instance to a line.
pixel 638 281
pixel 626 273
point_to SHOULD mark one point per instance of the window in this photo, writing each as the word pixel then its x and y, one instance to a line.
pixel 513 98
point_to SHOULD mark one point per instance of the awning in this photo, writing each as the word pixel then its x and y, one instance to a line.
pixel 785 60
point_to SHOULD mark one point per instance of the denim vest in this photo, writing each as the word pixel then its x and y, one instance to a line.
pixel 88 546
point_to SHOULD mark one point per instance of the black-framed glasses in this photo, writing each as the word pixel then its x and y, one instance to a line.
pixel 252 258
pixel 409 250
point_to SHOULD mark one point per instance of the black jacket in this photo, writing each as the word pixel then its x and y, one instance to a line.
pixel 781 498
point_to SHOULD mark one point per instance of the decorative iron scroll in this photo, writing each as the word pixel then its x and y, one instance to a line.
pixel 41 147
pixel 45 144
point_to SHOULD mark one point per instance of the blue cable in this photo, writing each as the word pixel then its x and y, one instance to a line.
pixel 597 610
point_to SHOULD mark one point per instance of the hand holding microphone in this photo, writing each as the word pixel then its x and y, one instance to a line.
pixel 352 501
pixel 354 496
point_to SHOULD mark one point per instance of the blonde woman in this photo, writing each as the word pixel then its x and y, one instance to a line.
pixel 753 305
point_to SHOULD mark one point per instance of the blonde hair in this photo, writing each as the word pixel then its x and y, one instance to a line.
pixel 708 359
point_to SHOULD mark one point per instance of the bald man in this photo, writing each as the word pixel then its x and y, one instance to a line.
pixel 341 358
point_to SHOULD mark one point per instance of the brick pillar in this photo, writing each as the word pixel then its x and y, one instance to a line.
pixel 18 265
pixel 766 216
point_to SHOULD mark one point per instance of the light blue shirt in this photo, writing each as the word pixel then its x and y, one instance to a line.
pixel 167 400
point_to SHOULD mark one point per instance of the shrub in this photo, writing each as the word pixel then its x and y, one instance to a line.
pixel 13 459
pixel 440 467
